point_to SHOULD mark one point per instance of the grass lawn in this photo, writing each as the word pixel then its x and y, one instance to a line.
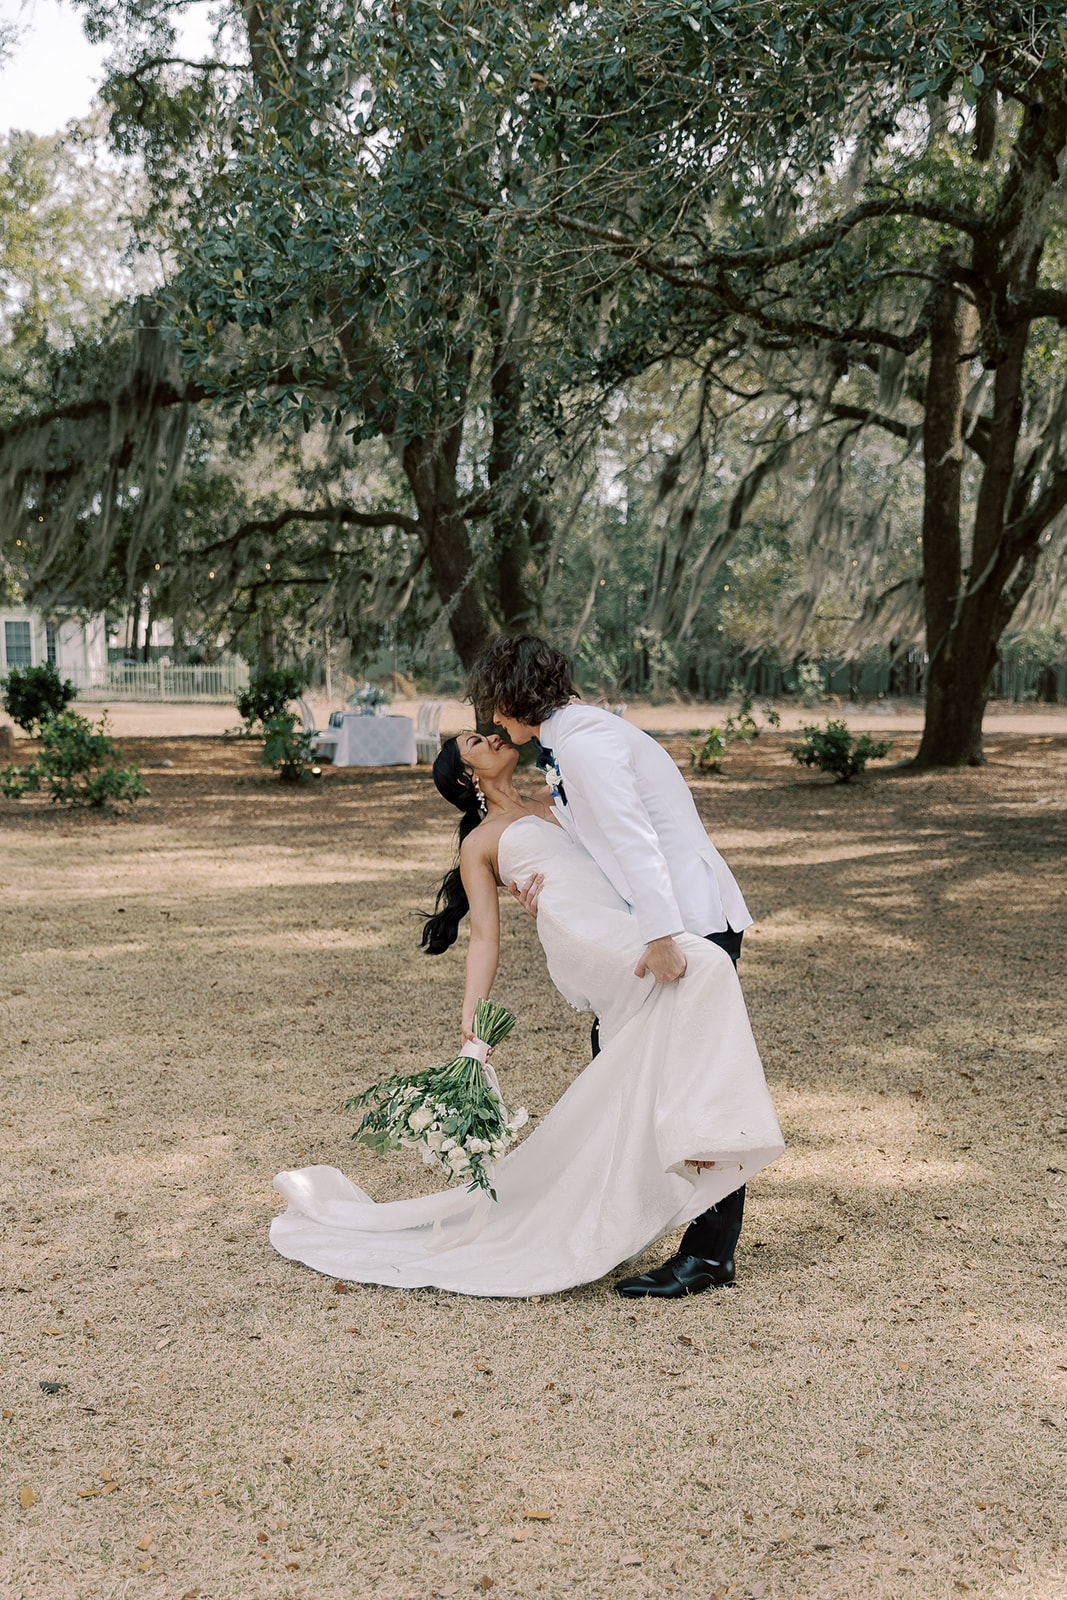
pixel 188 991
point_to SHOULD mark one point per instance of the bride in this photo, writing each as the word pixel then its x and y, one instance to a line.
pixel 669 1118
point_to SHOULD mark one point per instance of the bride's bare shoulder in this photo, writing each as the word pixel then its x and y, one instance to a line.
pixel 481 844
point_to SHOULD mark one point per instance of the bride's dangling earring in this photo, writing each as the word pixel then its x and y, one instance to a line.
pixel 482 807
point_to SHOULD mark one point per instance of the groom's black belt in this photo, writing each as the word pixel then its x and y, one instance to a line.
pixel 728 940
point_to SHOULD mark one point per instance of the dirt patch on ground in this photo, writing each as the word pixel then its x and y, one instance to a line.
pixel 188 992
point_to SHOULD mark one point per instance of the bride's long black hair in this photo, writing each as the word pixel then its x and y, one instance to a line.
pixel 455 782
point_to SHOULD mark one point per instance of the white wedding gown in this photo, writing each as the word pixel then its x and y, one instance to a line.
pixel 678 1077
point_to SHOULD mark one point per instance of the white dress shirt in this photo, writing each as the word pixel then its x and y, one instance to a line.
pixel 629 805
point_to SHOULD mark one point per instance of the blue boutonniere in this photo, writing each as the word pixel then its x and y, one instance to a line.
pixel 554 779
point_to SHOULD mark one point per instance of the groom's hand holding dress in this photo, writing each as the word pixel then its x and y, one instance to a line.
pixel 663 959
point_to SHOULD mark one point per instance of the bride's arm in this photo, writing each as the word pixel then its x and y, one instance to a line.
pixel 483 951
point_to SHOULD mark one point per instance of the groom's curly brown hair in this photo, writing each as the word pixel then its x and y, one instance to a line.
pixel 520 676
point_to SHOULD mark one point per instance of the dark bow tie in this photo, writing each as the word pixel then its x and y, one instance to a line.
pixel 546 759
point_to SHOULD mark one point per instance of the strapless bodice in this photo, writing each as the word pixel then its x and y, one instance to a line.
pixel 572 878
pixel 586 929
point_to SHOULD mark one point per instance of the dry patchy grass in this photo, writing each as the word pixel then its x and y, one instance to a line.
pixel 188 992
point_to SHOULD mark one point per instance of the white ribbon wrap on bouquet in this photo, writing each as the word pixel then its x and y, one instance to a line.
pixel 478 1050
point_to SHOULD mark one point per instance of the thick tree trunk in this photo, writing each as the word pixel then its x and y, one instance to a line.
pixel 957 688
pixel 518 590
pixel 430 466
pixel 266 636
pixel 955 692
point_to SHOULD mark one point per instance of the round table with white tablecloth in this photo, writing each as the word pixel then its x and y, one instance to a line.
pixel 364 741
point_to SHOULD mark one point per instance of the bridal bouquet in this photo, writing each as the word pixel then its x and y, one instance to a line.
pixel 452 1114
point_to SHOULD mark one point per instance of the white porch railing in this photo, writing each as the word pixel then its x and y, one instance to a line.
pixel 153 680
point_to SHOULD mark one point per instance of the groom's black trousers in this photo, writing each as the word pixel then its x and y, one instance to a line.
pixel 714 1234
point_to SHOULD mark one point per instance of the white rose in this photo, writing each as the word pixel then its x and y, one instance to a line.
pixel 478 1147
pixel 457 1160
pixel 435 1140
pixel 420 1119
pixel 449 1144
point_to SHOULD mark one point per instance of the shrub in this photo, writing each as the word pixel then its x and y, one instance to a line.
pixel 744 725
pixel 833 749
pixel 707 757
pixel 33 694
pixel 809 684
pixel 78 763
pixel 286 747
pixel 268 694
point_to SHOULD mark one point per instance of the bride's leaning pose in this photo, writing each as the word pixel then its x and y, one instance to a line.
pixel 670 1117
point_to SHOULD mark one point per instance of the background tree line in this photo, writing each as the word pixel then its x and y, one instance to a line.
pixel 682 332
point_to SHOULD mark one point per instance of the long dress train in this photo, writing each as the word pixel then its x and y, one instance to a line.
pixel 603 1176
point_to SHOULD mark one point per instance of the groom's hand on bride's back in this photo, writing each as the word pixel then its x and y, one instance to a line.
pixel 529 896
pixel 663 959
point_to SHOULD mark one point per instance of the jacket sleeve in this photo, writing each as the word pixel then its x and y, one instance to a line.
pixel 598 765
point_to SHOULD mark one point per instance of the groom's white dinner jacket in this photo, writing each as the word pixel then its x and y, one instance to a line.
pixel 629 805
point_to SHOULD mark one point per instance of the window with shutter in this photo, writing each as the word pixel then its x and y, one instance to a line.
pixel 18 644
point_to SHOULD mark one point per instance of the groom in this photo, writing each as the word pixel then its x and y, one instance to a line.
pixel 628 804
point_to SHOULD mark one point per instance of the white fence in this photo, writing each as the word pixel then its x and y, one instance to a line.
pixel 154 680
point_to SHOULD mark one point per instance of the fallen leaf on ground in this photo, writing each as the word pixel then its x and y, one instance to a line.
pixel 630 1561
pixel 26 1497
pixel 538 1516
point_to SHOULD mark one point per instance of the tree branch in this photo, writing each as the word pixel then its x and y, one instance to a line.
pixel 343 515
pixel 135 74
pixel 823 238
pixel 98 405
pixel 1050 303
pixel 1024 530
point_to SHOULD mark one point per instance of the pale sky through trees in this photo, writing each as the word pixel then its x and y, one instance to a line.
pixel 53 72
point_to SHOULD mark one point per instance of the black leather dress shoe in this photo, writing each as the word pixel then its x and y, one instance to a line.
pixel 678 1276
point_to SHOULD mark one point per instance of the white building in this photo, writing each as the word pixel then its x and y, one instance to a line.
pixel 76 647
